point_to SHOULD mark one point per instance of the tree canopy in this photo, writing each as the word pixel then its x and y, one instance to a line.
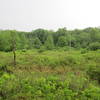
pixel 50 39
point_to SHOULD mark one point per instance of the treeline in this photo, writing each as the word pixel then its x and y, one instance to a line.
pixel 88 38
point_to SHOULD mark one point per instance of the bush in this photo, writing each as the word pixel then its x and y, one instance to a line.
pixel 84 51
pixel 91 93
pixel 94 73
pixel 94 46
pixel 24 50
pixel 42 49
pixel 47 88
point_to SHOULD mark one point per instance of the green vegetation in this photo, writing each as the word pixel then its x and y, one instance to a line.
pixel 61 65
pixel 88 38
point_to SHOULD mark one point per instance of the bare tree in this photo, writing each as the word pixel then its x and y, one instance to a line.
pixel 13 46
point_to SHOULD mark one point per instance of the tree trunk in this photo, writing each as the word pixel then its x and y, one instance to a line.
pixel 14 52
pixel 14 55
pixel 13 46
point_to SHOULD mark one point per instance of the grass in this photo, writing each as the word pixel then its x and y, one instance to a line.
pixel 50 75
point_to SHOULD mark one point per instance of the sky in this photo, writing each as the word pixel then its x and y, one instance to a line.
pixel 27 15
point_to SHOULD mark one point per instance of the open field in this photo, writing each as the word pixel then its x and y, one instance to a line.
pixel 50 75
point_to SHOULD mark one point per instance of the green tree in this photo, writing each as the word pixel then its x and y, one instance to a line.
pixel 58 33
pixel 37 43
pixel 41 34
pixel 23 41
pixel 13 42
pixel 94 46
pixel 49 43
pixel 62 41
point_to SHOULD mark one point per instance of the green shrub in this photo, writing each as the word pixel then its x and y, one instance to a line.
pixel 94 46
pixel 91 93
pixel 42 49
pixel 84 51
pixel 94 72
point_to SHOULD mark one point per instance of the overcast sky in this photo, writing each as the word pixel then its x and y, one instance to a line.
pixel 27 15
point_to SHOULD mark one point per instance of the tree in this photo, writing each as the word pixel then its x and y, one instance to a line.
pixel 2 46
pixel 62 41
pixel 4 41
pixel 58 33
pixel 22 41
pixel 37 43
pixel 82 40
pixel 49 43
pixel 94 46
pixel 13 45
pixel 41 34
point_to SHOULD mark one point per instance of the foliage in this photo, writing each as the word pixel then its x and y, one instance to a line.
pixel 60 65
pixel 86 38
pixel 94 46
pixel 49 44
pixel 62 41
pixel 37 43
pixel 50 87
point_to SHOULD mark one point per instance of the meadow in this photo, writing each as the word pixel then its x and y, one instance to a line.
pixel 50 65
pixel 50 75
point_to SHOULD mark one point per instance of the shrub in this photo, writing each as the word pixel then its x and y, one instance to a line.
pixel 91 93
pixel 84 51
pixel 42 49
pixel 94 46
pixel 94 73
